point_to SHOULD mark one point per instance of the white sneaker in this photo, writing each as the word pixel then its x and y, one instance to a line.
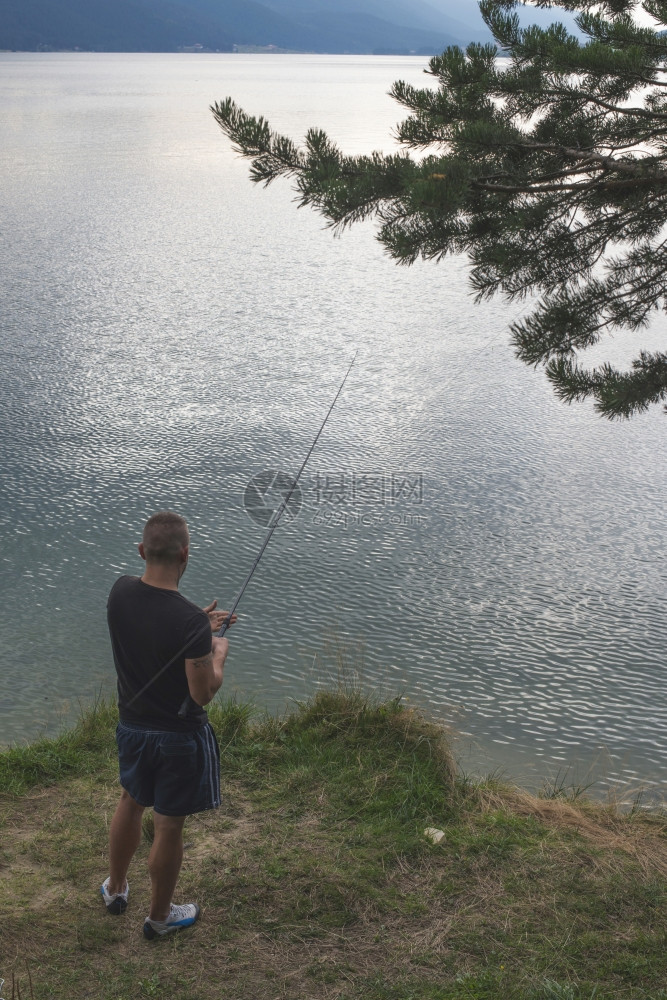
pixel 179 917
pixel 115 902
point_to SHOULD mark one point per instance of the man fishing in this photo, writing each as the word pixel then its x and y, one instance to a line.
pixel 165 656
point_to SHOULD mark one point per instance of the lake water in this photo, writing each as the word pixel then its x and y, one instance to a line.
pixel 169 331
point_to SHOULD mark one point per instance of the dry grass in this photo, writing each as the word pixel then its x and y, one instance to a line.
pixel 642 836
pixel 316 881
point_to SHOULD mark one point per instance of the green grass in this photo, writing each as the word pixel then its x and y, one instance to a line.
pixel 85 749
pixel 316 879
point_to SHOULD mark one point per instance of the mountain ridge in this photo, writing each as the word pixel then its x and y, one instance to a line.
pixel 218 25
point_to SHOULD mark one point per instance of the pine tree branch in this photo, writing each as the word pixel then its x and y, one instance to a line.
pixel 590 156
pixel 618 395
pixel 586 98
pixel 591 185
pixel 536 171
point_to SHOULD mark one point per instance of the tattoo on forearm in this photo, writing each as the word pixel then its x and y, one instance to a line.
pixel 203 661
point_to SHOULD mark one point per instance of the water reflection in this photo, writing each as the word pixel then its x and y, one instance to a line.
pixel 170 331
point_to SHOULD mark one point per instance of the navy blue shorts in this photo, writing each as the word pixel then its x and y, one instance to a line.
pixel 176 773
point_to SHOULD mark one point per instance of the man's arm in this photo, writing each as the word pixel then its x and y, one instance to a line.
pixel 204 673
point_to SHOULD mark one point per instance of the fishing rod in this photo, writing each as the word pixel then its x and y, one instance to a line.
pixel 274 520
pixel 188 702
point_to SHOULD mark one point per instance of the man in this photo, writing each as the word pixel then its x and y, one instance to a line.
pixel 169 666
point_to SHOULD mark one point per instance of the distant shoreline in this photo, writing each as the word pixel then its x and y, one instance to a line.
pixel 191 50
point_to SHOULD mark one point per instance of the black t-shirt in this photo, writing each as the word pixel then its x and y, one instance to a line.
pixel 150 628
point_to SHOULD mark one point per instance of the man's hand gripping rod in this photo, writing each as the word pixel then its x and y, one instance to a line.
pixel 183 711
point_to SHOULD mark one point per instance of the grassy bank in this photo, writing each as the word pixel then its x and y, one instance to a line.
pixel 316 879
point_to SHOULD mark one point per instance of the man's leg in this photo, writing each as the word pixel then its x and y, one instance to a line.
pixel 164 863
pixel 124 838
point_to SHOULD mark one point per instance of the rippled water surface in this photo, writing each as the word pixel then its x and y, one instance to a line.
pixel 170 331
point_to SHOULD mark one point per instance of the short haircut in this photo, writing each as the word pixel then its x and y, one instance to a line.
pixel 165 534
